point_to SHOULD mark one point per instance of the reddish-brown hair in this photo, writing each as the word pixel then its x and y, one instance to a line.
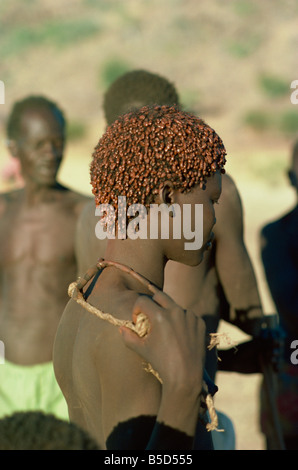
pixel 143 149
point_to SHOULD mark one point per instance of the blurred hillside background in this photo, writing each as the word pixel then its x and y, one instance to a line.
pixel 232 62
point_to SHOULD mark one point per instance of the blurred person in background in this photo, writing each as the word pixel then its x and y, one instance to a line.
pixel 37 258
pixel 279 251
pixel 35 430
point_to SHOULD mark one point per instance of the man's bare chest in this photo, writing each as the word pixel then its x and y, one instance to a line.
pixel 43 236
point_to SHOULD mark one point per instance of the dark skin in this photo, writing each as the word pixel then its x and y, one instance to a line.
pixel 280 259
pixel 225 276
pixel 283 281
pixel 37 259
pixel 87 349
pixel 279 250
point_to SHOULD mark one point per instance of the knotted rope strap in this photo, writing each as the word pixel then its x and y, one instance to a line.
pixel 142 325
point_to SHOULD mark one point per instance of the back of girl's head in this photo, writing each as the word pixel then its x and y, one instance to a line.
pixel 145 148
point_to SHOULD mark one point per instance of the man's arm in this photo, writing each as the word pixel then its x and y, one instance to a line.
pixel 245 357
pixel 2 211
pixel 280 255
pixel 233 263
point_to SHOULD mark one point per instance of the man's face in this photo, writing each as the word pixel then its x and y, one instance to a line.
pixel 40 146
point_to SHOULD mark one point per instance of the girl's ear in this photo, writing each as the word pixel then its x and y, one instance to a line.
pixel 166 193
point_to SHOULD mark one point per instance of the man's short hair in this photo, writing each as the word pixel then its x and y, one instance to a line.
pixel 145 148
pixel 27 104
pixel 136 89
pixel 35 430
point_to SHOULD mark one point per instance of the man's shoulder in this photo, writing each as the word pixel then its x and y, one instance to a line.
pixel 229 210
pixel 90 206
pixel 281 226
pixel 76 199
pixel 271 227
pixel 269 233
pixel 75 195
pixel 281 222
pixel 11 195
pixel 87 214
pixel 9 198
pixel 229 187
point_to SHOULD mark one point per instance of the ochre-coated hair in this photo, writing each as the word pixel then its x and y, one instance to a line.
pixel 27 104
pixel 136 89
pixel 143 149
pixel 35 430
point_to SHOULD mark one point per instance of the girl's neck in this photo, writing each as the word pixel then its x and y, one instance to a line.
pixel 143 256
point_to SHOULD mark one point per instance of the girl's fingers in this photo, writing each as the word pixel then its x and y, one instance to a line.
pixel 163 300
pixel 130 338
pixel 145 305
